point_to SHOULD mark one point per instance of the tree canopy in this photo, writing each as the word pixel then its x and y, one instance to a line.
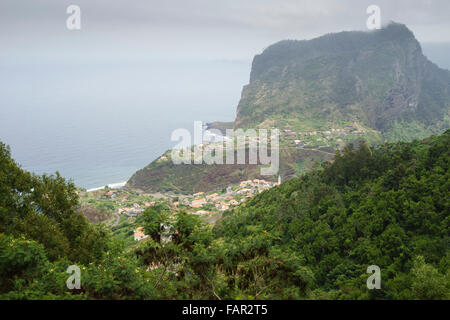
pixel 312 237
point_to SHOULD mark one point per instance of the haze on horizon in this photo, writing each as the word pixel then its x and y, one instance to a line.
pixel 233 30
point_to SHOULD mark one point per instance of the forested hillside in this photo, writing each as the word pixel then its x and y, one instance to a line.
pixel 385 206
pixel 312 237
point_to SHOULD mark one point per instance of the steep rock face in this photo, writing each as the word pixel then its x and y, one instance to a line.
pixel 373 78
pixel 328 91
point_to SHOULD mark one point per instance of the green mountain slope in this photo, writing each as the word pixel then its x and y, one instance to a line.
pixel 380 80
pixel 386 206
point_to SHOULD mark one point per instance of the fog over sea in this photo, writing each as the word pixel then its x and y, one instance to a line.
pixel 98 122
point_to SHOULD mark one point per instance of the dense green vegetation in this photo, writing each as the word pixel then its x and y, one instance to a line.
pixel 387 206
pixel 310 238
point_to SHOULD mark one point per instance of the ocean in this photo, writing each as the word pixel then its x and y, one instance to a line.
pixel 98 123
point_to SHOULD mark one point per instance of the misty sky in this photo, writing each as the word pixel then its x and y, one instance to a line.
pixel 195 29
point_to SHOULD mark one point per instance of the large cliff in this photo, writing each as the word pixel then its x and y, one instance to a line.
pixel 378 79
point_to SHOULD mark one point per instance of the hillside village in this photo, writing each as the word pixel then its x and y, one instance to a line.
pixel 333 137
pixel 125 205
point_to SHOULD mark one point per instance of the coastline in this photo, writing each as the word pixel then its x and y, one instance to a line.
pixel 207 136
pixel 116 185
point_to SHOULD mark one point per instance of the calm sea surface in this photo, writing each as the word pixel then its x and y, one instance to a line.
pixel 99 123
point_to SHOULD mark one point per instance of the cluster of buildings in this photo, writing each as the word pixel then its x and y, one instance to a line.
pixel 139 234
pixel 305 138
pixel 111 194
pixel 232 197
pixel 135 209
pixel 289 132
pixel 131 212
pixel 333 131
pixel 199 203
